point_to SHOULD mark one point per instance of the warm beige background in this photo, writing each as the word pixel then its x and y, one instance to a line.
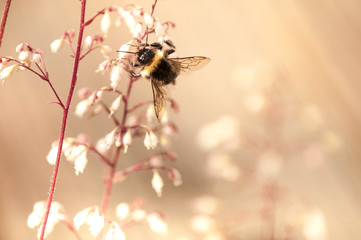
pixel 316 43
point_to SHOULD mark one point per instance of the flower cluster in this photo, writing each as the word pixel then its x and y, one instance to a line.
pixel 56 215
pixel 129 121
pixel 127 215
pixel 27 56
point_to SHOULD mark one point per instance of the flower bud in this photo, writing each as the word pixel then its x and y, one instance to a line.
pixel 6 72
pixel 115 105
pixel 127 140
pixel 105 22
pixel 56 45
pixel 150 140
pixel 157 183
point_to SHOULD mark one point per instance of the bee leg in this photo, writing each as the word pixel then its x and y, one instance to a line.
pixel 135 74
pixel 130 62
pixel 156 45
pixel 131 72
pixel 169 43
pixel 169 51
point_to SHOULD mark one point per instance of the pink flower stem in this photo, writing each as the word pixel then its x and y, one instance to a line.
pixel 65 117
pixel 110 9
pixel 140 105
pixel 153 6
pixel 110 177
pixel 3 20
pixel 71 227
pixel 109 180
pixel 106 108
pixel 43 76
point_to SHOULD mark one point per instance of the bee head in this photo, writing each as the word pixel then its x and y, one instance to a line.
pixel 145 56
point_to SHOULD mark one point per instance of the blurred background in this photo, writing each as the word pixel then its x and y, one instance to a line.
pixel 269 131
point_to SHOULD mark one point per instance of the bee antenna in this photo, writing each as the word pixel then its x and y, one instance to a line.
pixel 127 52
pixel 146 39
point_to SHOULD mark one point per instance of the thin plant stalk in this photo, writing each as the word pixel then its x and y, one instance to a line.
pixel 65 117
pixel 3 20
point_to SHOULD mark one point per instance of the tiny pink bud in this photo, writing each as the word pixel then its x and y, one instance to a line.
pixel 174 105
pixel 169 129
pixel 156 161
pixel 83 93
pixel 20 47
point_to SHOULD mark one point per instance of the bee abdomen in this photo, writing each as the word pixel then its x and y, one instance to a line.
pixel 165 72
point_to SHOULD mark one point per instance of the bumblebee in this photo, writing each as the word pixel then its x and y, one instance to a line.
pixel 155 64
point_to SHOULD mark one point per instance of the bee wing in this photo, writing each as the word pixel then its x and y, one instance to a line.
pixel 189 64
pixel 159 95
